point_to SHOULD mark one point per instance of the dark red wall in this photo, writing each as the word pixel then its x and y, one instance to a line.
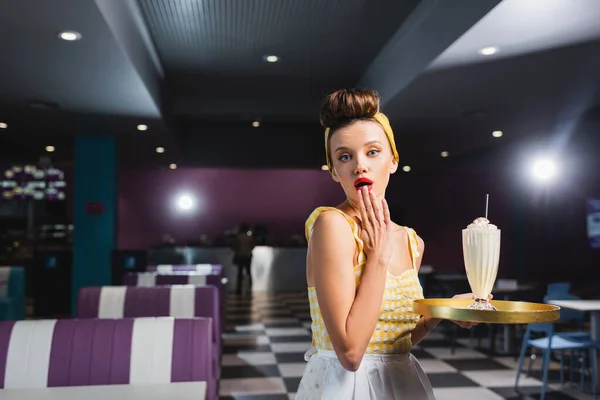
pixel 279 199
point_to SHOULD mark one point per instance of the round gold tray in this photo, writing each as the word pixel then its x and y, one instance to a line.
pixel 509 312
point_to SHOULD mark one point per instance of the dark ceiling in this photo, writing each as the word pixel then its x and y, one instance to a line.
pixel 214 50
pixel 195 72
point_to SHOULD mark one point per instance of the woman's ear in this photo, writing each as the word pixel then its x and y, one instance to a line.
pixel 394 166
pixel 334 175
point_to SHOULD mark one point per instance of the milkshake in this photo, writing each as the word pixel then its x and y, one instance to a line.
pixel 481 251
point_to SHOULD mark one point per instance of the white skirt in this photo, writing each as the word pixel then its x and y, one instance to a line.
pixel 379 377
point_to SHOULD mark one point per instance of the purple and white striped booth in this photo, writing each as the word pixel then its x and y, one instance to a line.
pixel 83 352
pixel 180 278
pixel 180 301
pixel 149 279
pixel 204 269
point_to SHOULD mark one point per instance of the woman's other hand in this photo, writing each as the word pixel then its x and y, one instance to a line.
pixel 467 324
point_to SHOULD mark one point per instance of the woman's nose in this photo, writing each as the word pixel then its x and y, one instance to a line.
pixel 361 167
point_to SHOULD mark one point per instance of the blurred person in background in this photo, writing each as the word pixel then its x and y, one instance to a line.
pixel 242 248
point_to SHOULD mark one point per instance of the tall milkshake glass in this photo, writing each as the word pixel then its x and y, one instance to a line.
pixel 481 251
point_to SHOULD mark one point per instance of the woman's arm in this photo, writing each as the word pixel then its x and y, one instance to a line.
pixel 423 327
pixel 350 315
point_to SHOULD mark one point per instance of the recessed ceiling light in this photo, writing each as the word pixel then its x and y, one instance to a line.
pixel 488 51
pixel 173 166
pixel 3 125
pixel 325 167
pixel 70 36
pixel 142 127
pixel 50 149
pixel 406 168
pixel 256 124
pixel 271 58
pixel 445 154
pixel 497 134
pixel 160 149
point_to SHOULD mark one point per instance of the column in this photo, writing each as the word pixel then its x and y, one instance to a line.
pixel 94 212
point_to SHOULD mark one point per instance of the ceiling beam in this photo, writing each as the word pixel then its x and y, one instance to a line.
pixel 125 20
pixel 427 32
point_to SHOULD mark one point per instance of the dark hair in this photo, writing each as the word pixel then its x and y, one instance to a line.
pixel 346 106
pixel 343 107
pixel 244 227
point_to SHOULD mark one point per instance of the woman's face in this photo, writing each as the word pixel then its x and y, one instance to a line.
pixel 361 155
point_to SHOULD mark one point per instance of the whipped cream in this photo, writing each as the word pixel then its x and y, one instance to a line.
pixel 481 223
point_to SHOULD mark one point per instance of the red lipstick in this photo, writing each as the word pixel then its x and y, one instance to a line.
pixel 360 182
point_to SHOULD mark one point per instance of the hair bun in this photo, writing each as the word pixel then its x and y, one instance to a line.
pixel 343 106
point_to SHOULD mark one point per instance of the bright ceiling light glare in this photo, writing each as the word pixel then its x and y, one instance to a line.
pixel 142 127
pixel 324 167
pixel 488 51
pixel 497 134
pixel 173 166
pixel 70 36
pixel 256 124
pixel 444 154
pixel 160 149
pixel 50 149
pixel 271 58
pixel 3 125
pixel 543 169
pixel 406 168
pixel 185 202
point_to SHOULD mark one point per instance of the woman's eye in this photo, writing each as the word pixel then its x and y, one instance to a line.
pixel 373 152
pixel 344 157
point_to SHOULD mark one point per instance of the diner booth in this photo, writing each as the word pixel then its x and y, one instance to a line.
pixel 128 340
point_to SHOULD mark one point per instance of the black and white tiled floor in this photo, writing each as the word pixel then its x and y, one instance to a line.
pixel 266 337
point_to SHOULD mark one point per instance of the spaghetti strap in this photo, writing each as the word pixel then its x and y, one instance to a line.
pixel 413 245
pixel 312 219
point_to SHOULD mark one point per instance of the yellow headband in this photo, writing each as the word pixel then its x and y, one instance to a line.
pixel 385 124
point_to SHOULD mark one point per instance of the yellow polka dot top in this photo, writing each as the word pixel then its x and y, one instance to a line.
pixel 396 317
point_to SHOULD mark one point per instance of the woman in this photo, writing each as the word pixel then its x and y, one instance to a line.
pixel 362 269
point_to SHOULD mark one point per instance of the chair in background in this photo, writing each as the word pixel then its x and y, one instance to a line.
pixel 550 343
pixel 556 288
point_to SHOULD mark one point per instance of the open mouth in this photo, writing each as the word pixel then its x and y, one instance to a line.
pixel 363 182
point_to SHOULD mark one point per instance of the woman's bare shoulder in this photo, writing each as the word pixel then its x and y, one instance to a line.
pixel 331 248
pixel 332 225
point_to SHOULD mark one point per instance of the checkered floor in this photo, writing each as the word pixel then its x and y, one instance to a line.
pixel 267 335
